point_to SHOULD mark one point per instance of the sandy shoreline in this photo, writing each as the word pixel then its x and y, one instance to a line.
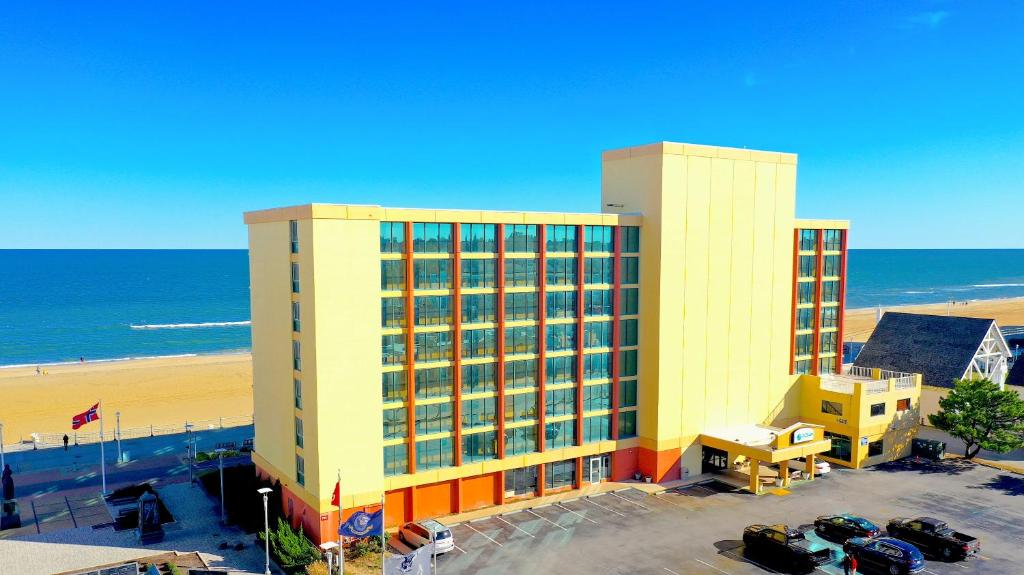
pixel 168 390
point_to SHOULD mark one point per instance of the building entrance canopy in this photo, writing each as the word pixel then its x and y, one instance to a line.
pixel 769 444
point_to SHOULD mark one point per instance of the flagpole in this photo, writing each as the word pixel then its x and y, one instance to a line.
pixel 103 461
pixel 341 538
pixel 383 532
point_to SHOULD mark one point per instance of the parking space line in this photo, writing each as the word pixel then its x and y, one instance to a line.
pixel 485 535
pixel 610 510
pixel 666 499
pixel 516 527
pixel 628 500
pixel 559 505
pixel 711 566
pixel 546 519
pixel 671 571
pixel 460 549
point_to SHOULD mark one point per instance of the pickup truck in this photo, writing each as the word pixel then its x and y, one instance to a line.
pixel 785 547
pixel 934 537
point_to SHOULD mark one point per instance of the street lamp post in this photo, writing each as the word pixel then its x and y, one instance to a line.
pixel 117 416
pixel 188 438
pixel 220 464
pixel 266 527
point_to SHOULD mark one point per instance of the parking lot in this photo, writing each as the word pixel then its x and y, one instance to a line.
pixel 698 529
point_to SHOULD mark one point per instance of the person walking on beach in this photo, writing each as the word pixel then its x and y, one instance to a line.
pixel 38 371
pixel 65 442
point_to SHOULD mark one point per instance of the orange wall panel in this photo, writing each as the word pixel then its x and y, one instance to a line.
pixel 624 463
pixel 660 465
pixel 396 508
pixel 435 500
pixel 479 491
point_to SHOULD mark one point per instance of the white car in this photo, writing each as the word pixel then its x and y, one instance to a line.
pixel 821 467
pixel 418 533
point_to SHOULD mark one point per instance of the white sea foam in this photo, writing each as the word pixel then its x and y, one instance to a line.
pixel 998 285
pixel 112 359
pixel 189 325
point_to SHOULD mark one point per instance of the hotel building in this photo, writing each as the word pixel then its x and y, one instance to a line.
pixel 452 360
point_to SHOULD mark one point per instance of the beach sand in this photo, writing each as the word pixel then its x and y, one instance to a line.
pixel 160 392
pixel 167 391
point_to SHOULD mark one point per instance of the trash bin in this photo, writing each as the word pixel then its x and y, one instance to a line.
pixel 928 448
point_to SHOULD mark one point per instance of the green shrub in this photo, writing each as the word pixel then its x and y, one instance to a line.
pixel 173 569
pixel 290 548
pixel 366 546
pixel 317 568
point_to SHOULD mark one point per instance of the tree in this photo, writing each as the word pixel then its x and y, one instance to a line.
pixel 290 548
pixel 981 415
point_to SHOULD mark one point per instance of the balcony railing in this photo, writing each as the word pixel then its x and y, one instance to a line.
pixel 871 381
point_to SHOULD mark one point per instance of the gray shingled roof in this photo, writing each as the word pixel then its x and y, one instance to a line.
pixel 940 348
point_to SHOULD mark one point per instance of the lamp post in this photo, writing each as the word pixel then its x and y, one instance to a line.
pixel 264 491
pixel 117 432
pixel 188 449
pixel 220 463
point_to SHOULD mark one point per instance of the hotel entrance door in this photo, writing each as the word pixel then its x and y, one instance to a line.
pixel 713 460
pixel 598 467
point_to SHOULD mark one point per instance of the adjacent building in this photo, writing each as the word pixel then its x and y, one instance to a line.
pixel 448 360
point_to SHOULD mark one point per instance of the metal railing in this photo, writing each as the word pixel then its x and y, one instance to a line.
pixel 875 387
pixel 858 371
pixel 906 382
pixel 45 440
pixel 837 385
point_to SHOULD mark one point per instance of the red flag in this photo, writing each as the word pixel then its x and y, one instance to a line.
pixel 86 416
pixel 336 498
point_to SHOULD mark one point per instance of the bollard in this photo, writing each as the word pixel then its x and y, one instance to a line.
pixel 151 430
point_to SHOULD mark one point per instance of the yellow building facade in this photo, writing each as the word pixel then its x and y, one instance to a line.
pixel 449 360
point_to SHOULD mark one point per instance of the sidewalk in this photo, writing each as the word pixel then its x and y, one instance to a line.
pixel 1012 461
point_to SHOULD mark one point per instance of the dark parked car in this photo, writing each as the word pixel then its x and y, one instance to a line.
pixel 843 527
pixel 785 547
pixel 934 537
pixel 885 555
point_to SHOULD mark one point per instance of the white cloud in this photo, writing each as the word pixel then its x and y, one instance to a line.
pixel 929 20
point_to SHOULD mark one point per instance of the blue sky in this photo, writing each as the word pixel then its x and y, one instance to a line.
pixel 156 124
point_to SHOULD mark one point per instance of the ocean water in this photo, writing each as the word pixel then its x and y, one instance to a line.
pixel 59 305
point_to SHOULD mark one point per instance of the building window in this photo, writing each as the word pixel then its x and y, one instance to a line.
pixel 434 454
pixel 521 407
pixel 808 266
pixel 392 349
pixel 805 292
pixel 828 342
pixel 561 271
pixel 432 274
pixel 830 291
pixel 296 317
pixel 829 317
pixel 433 310
pixel 831 407
pixel 808 240
pixel 833 240
pixel 297 388
pixel 521 238
pixel 296 356
pixel 598 239
pixel 630 270
pixel 479 343
pixel 393 385
pixel 520 272
pixel 396 460
pixel 628 332
pixel 597 397
pixel 597 334
pixel 627 424
pixel 392 274
pixel 478 308
pixel 478 378
pixel 804 343
pixel 804 318
pixel 479 446
pixel 902 404
pixel 561 337
pixel 433 382
pixel 598 302
pixel 832 266
pixel 432 238
pixel 630 298
pixel 295 277
pixel 627 393
pixel 520 373
pixel 434 346
pixel 597 428
pixel 433 418
pixel 561 304
pixel 561 239
pixel 599 270
pixel 392 312
pixel 520 440
pixel 521 339
pixel 478 238
pixel 560 369
pixel 875 448
pixel 300 470
pixel 396 423
pixel 597 366
pixel 840 446
pixel 392 237
pixel 826 365
pixel 877 409
pixel 627 365
pixel 560 402
pixel 298 432
pixel 293 235
pixel 630 239
pixel 478 273
pixel 520 306
pixel 802 366
pixel 479 412
pixel 560 474
pixel 521 481
pixel 560 434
